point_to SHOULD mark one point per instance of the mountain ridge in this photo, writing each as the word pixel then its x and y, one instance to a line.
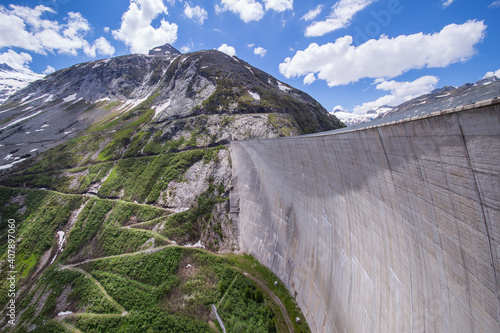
pixel 438 99
pixel 174 85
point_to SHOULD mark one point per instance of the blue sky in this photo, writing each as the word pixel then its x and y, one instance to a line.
pixel 354 54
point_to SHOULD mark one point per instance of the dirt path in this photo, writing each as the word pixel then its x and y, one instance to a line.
pixel 69 327
pixel 275 299
pixel 124 255
pixel 92 195
pixel 99 285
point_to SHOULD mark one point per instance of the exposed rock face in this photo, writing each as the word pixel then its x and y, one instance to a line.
pixel 176 86
pixel 164 50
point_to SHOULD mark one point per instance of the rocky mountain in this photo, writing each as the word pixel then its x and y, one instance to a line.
pixel 352 119
pixel 118 172
pixel 175 86
pixel 450 97
pixel 12 80
pixel 439 99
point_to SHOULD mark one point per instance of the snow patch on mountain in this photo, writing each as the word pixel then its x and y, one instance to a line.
pixel 254 95
pixel 283 87
pixel 12 80
pixel 351 119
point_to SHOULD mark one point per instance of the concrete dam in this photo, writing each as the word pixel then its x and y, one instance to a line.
pixel 388 228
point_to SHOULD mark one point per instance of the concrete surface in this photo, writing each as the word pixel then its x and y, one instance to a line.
pixel 393 228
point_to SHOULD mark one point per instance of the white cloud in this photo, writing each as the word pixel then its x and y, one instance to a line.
pixel 15 60
pixel 197 14
pixel 24 27
pixel 251 45
pixel 340 17
pixel 338 108
pixel 186 48
pixel 279 5
pixel 313 13
pixel 100 46
pixel 106 29
pixel 229 50
pixel 495 4
pixel 446 3
pixel 341 63
pixel 260 51
pixel 400 92
pixel 136 30
pixel 248 10
pixel 49 70
pixel 309 79
pixel 103 47
pixel 489 74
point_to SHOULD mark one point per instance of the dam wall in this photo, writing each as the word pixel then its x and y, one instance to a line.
pixel 392 228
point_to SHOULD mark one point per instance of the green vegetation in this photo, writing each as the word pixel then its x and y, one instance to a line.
pixel 98 230
pixel 244 309
pixel 281 124
pixel 155 321
pixel 143 179
pixel 175 285
pixel 252 265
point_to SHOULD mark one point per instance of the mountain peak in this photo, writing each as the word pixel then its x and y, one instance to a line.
pixel 163 50
pixel 6 68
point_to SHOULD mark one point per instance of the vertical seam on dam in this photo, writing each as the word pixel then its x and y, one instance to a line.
pixel 402 219
pixel 483 212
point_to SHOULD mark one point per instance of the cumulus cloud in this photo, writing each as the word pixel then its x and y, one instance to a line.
pixel 247 10
pixel 187 48
pixel 106 29
pixel 229 50
pixel 400 92
pixel 338 108
pixel 278 5
pixel 490 74
pixel 313 13
pixel 340 17
pixel 197 13
pixel 260 51
pixel 24 27
pixel 309 79
pixel 341 63
pixel 15 60
pixel 446 3
pixel 49 70
pixel 101 46
pixel 136 30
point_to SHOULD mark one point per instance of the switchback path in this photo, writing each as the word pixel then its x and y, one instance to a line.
pixel 136 226
pixel 99 285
